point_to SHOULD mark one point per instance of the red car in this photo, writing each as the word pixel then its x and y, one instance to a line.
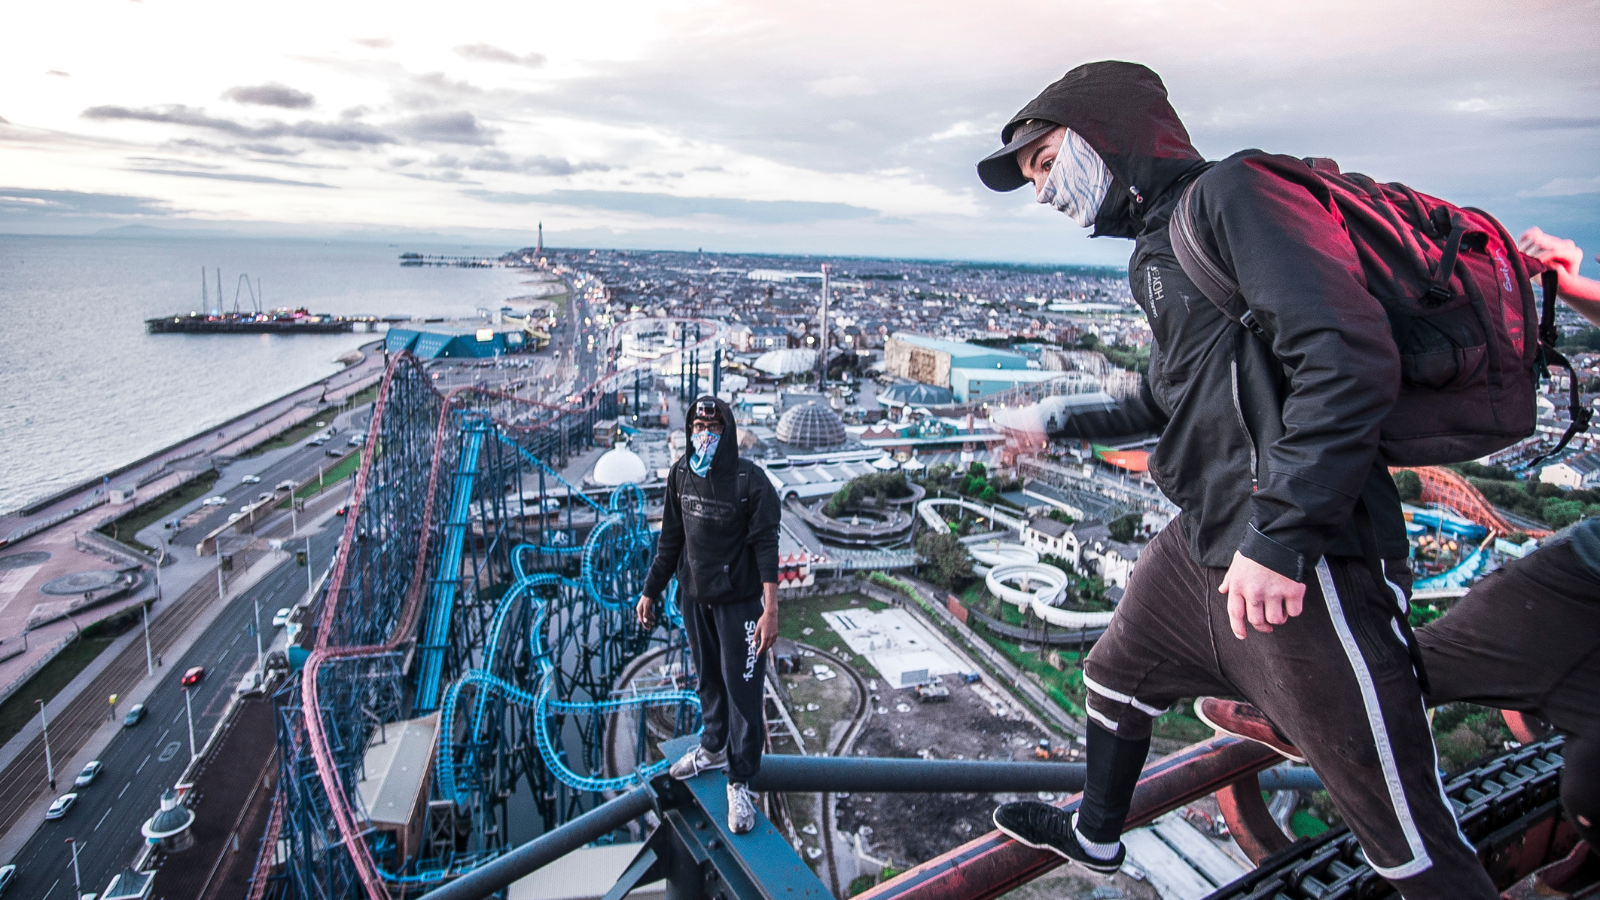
pixel 193 676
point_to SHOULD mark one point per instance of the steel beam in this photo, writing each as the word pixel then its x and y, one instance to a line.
pixel 545 849
pixel 994 864
pixel 880 775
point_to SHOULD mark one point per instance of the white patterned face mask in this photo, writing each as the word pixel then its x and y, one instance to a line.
pixel 1078 180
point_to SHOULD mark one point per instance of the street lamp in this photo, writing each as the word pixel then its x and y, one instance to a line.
pixel 255 599
pixel 49 766
pixel 188 710
pixel 77 881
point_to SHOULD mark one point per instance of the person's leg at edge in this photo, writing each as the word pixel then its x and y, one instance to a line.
pixel 743 672
pixel 1580 786
pixel 705 647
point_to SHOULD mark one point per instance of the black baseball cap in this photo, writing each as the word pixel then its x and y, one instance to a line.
pixel 1000 170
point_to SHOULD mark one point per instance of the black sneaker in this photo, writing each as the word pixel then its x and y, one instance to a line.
pixel 1044 827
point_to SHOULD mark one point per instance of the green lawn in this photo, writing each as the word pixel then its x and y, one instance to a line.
pixel 340 471
pixel 298 433
pixel 125 527
pixel 794 616
pixel 59 672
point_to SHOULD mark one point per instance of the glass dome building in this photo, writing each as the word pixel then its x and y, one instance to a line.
pixel 811 426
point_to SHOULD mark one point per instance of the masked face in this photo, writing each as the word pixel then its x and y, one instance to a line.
pixel 705 450
pixel 1076 180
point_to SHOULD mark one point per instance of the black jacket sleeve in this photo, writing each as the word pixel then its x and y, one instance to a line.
pixel 1301 277
pixel 1134 415
pixel 669 546
pixel 765 515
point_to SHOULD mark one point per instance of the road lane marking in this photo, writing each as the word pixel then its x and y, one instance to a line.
pixel 126 786
pixel 230 644
pixel 102 820
pixel 163 735
pixel 141 766
pixel 169 751
pixel 52 887
pixel 177 717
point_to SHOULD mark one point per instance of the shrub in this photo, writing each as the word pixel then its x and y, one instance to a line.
pixel 1124 528
pixel 949 564
pixel 882 485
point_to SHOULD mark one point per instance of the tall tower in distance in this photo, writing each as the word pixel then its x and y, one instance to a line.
pixel 540 251
pixel 822 338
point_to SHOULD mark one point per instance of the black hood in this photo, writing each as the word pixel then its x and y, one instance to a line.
pixel 727 458
pixel 1121 110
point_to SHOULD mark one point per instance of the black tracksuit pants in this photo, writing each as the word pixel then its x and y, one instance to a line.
pixel 1528 638
pixel 731 672
pixel 1336 680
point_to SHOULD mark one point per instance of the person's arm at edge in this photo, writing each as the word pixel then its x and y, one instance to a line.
pixel 1138 414
pixel 1565 257
pixel 669 546
pixel 765 516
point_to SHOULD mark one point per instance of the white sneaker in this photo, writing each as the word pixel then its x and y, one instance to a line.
pixel 696 761
pixel 741 809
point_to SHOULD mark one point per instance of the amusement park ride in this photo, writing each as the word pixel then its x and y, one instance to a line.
pixel 466 596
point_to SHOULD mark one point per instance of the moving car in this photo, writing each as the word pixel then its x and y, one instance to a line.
pixel 334 451
pixel 88 775
pixel 61 806
pixel 8 874
pixel 263 496
pixel 193 676
pixel 287 485
pixel 135 715
pixel 214 501
pixel 356 440
pixel 280 618
pixel 317 441
pixel 251 479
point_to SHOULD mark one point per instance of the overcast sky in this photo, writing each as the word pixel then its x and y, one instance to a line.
pixel 824 127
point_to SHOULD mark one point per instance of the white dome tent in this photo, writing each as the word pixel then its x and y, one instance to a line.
pixel 619 465
pixel 786 362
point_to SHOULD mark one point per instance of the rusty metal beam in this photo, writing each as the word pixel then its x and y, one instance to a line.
pixel 994 864
pixel 1249 823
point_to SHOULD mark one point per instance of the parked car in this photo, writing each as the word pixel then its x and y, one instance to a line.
pixel 251 479
pixel 249 684
pixel 317 441
pixel 214 501
pixel 61 806
pixel 88 775
pixel 356 440
pixel 135 715
pixel 334 451
pixel 193 676
pixel 286 485
pixel 264 496
pixel 280 618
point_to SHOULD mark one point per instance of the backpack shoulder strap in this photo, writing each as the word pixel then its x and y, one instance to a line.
pixel 1207 272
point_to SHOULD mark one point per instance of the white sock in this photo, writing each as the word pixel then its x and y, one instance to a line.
pixel 1098 851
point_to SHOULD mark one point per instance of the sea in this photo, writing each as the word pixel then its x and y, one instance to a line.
pixel 84 389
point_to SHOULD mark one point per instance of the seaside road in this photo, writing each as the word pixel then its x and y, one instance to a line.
pixel 144 761
pixel 299 466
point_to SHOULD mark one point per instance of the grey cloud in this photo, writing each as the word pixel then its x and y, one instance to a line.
pixel 1556 123
pixel 491 53
pixel 456 127
pixel 58 73
pixel 178 114
pixel 270 94
pixel 377 43
pixel 77 203
pixel 494 160
pixel 765 212
pixel 230 176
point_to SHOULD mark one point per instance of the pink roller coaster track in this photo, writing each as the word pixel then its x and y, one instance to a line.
pixel 344 815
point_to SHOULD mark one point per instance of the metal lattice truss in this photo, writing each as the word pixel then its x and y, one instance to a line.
pixel 472 581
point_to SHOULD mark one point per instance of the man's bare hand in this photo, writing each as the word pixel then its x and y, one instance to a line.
pixel 1558 253
pixel 1259 596
pixel 644 612
pixel 766 631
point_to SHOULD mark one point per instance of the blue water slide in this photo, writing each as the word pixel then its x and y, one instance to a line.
pixel 441 602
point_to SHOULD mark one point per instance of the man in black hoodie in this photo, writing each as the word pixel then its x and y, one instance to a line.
pixel 719 536
pixel 1270 449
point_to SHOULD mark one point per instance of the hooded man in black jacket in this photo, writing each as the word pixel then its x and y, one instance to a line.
pixel 1270 449
pixel 719 536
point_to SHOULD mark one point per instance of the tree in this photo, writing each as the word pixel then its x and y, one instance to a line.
pixel 1409 483
pixel 948 563
pixel 1124 528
